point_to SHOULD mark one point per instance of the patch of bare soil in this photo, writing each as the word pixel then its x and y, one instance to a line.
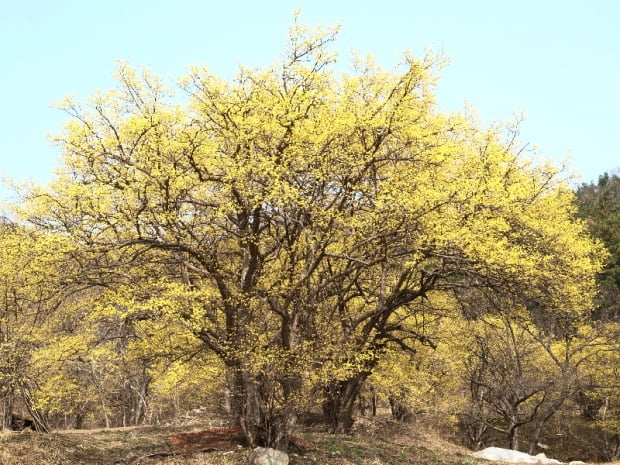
pixel 207 440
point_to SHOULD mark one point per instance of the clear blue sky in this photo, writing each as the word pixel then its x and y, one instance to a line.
pixel 556 61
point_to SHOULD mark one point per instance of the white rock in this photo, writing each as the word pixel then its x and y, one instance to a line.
pixel 497 454
pixel 268 456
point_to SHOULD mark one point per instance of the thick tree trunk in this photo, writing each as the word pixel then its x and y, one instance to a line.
pixel 266 423
pixel 339 403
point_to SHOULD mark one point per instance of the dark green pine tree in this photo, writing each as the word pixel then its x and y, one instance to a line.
pixel 599 204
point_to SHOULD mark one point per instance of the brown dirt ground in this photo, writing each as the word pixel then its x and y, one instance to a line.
pixel 373 442
pixel 221 439
pixel 207 440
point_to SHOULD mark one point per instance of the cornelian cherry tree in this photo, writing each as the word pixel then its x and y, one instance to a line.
pixel 297 219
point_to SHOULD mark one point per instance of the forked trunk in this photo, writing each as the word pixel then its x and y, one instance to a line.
pixel 340 400
pixel 265 422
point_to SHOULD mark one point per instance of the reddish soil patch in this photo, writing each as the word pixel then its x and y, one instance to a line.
pixel 301 445
pixel 207 440
pixel 222 439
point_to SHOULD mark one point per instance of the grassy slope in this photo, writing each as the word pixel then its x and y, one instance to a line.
pixel 375 443
pixel 386 443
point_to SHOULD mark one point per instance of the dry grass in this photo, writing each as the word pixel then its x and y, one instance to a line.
pixel 375 443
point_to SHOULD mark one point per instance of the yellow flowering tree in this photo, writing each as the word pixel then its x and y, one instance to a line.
pixel 295 219
pixel 32 270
